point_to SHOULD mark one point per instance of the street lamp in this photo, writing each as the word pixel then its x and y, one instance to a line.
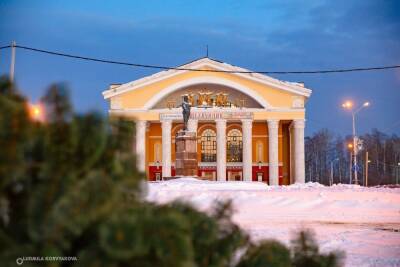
pixel 350 146
pixel 349 105
pixel 36 112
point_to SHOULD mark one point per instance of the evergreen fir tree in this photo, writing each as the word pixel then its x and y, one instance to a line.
pixel 69 187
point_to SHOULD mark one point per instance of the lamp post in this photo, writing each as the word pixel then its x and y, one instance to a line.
pixel 349 105
pixel 367 161
pixel 350 147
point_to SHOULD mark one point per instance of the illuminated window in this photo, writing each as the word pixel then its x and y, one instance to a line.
pixel 208 146
pixel 157 152
pixel 234 146
pixel 259 151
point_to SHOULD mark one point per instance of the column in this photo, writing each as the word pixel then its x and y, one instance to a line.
pixel 166 147
pixel 299 166
pixel 141 145
pixel 192 125
pixel 221 149
pixel 273 126
pixel 247 125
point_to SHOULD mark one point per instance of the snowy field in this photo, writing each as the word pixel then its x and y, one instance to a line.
pixel 364 222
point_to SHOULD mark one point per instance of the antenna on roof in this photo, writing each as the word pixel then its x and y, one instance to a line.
pixel 206 50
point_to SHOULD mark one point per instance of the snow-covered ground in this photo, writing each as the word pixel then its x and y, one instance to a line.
pixel 364 222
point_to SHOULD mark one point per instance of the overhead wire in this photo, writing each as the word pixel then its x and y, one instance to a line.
pixel 197 70
pixel 4 47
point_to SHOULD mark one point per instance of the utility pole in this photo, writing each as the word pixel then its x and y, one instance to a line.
pixel 366 168
pixel 12 65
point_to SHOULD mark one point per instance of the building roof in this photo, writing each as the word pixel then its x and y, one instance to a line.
pixel 297 88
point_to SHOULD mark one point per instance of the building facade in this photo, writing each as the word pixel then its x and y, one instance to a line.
pixel 249 126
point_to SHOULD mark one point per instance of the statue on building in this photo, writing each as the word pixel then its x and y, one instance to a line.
pixel 185 111
pixel 221 99
pixel 191 99
pixel 201 100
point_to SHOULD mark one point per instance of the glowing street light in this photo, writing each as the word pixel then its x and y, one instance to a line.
pixel 350 145
pixel 349 105
pixel 36 112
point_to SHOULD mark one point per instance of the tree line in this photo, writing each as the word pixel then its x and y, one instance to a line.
pixel 328 155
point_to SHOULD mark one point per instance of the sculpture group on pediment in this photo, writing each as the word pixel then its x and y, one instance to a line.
pixel 208 99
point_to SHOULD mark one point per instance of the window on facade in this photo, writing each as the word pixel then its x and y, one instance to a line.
pixel 234 146
pixel 208 146
pixel 157 152
pixel 260 151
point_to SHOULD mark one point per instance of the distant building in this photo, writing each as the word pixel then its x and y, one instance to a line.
pixel 249 126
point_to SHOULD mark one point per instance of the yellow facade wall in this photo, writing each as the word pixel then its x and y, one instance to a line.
pixel 137 98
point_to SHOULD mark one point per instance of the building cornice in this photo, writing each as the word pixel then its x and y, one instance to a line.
pixel 179 111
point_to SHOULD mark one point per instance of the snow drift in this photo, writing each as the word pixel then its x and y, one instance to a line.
pixel 364 222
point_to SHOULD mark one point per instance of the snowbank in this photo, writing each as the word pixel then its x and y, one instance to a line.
pixel 364 222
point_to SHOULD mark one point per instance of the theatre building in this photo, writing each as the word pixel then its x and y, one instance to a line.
pixel 250 127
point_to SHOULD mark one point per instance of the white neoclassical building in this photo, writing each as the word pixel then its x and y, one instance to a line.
pixel 249 126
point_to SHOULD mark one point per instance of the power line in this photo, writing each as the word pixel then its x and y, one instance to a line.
pixel 198 70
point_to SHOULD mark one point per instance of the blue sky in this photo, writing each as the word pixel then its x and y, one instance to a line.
pixel 258 35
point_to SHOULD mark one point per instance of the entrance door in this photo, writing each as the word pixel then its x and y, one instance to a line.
pixel 208 175
pixel 235 176
pixel 260 176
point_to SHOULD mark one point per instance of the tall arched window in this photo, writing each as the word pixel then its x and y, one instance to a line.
pixel 208 146
pixel 260 151
pixel 157 152
pixel 234 146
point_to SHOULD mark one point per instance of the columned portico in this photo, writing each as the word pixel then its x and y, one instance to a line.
pixel 299 165
pixel 247 149
pixel 140 145
pixel 273 125
pixel 248 126
pixel 166 147
pixel 221 149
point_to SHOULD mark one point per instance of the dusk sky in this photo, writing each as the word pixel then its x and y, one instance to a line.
pixel 258 35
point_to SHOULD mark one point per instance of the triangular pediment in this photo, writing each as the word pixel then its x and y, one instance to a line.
pixel 210 65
